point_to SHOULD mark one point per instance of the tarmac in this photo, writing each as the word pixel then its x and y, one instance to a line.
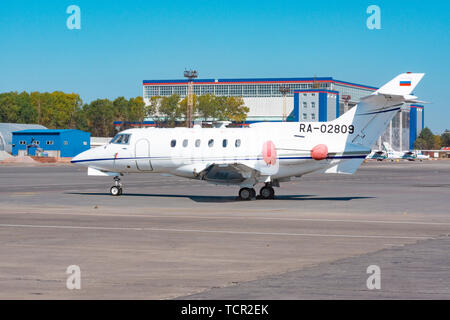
pixel 172 238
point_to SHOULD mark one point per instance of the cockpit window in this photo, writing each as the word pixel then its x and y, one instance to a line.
pixel 121 138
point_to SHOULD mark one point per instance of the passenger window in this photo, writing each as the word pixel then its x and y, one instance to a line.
pixel 211 143
pixel 224 143
pixel 185 143
pixel 237 143
pixel 197 143
pixel 125 139
pixel 173 143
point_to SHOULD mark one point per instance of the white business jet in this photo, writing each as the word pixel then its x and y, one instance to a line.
pixel 267 153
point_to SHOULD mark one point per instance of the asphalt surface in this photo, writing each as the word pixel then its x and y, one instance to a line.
pixel 167 237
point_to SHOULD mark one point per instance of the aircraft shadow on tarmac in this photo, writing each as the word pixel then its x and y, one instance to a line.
pixel 298 197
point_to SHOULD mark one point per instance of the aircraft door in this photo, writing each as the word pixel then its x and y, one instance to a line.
pixel 142 153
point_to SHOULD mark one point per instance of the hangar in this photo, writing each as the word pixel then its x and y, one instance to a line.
pixel 6 130
pixel 55 142
pixel 308 99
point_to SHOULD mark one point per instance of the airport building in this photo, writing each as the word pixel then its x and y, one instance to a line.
pixel 308 99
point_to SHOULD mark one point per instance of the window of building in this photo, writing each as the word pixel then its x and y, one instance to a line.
pixel 313 94
pixel 211 143
pixel 224 143
pixel 237 143
pixel 173 143
pixel 305 94
pixel 313 116
pixel 197 143
pixel 185 143
pixel 313 104
pixel 305 116
pixel 49 142
pixel 305 105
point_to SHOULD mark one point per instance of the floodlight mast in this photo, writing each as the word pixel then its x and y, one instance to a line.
pixel 284 91
pixel 190 75
pixel 346 99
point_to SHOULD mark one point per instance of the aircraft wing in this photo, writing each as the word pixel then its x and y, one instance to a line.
pixel 228 173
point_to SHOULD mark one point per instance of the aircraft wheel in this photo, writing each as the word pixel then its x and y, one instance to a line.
pixel 115 191
pixel 267 192
pixel 246 193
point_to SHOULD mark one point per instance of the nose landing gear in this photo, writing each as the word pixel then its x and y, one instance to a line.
pixel 116 189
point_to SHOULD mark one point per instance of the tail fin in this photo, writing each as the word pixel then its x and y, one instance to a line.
pixel 387 147
pixel 372 115
pixel 374 112
pixel 402 84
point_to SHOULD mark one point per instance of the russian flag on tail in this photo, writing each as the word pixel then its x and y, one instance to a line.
pixel 405 83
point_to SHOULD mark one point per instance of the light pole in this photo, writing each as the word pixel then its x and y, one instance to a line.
pixel 191 75
pixel 284 91
pixel 346 99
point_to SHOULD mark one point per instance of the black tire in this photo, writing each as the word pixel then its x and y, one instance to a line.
pixel 245 194
pixel 115 191
pixel 267 192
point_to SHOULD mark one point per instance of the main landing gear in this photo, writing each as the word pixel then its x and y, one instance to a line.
pixel 116 189
pixel 247 193
pixel 266 192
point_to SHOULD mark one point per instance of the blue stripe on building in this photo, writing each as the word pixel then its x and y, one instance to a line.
pixel 322 107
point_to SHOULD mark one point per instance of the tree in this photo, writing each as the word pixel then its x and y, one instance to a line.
pixel 57 109
pixel 169 109
pixel 100 115
pixel 420 144
pixel 208 107
pixel 437 142
pixel 27 113
pixel 136 110
pixel 428 140
pixel 9 109
pixel 151 110
pixel 80 120
pixel 120 106
pixel 445 139
pixel 235 110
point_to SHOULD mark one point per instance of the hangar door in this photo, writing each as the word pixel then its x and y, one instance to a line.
pixel 142 153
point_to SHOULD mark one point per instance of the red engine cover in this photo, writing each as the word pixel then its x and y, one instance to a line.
pixel 269 153
pixel 319 152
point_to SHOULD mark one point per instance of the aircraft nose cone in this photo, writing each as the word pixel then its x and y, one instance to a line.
pixel 78 159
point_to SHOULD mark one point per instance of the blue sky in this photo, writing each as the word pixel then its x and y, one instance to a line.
pixel 122 43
